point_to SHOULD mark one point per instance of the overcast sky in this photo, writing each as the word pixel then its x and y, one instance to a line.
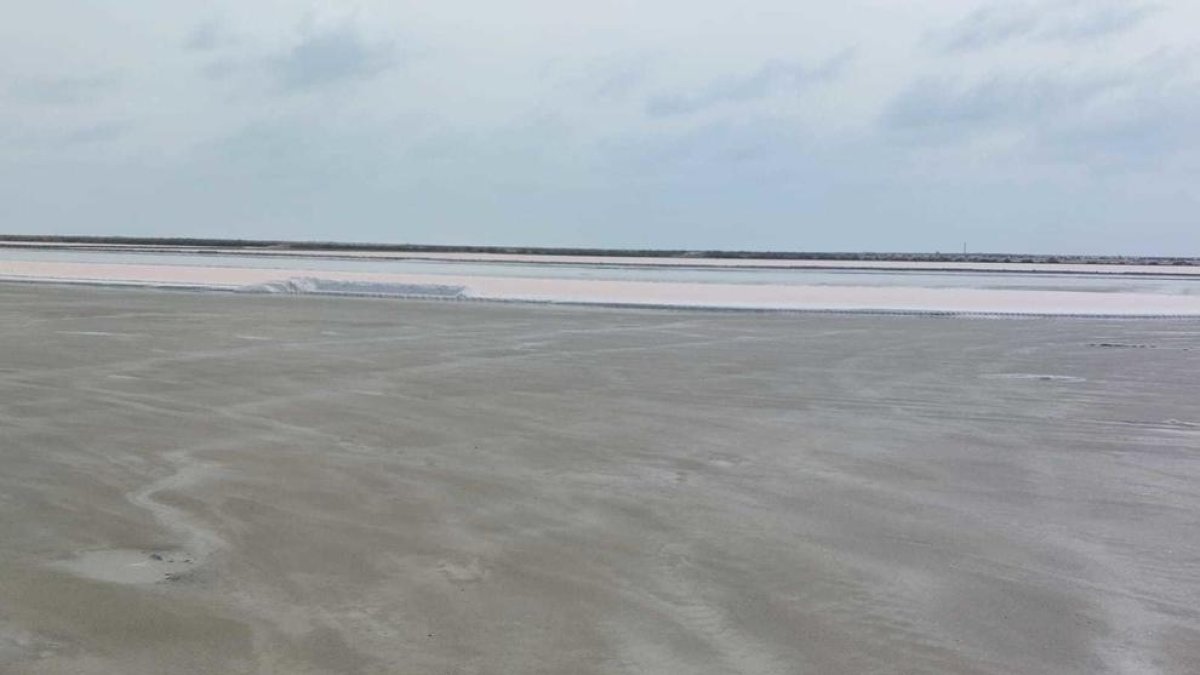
pixel 1043 126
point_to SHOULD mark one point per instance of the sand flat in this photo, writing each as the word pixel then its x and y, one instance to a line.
pixel 382 486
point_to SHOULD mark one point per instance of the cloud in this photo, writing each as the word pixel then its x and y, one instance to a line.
pixel 618 84
pixel 771 78
pixel 1120 119
pixel 713 149
pixel 329 57
pixel 62 91
pixel 222 68
pixel 946 107
pixel 604 81
pixel 1088 22
pixel 1029 123
pixel 1066 21
pixel 1143 132
pixel 95 133
pixel 208 36
pixel 990 26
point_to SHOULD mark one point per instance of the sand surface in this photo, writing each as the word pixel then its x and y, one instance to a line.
pixel 633 293
pixel 217 483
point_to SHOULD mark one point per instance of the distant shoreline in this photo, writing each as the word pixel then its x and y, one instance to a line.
pixel 199 245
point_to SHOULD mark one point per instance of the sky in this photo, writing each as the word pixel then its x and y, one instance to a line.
pixel 1053 126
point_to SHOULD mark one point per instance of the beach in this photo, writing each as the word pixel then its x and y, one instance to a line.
pixel 200 482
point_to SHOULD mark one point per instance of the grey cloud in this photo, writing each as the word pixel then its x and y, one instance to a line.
pixel 1116 120
pixel 771 77
pixel 208 36
pixel 96 133
pixel 1058 135
pixel 1147 132
pixel 221 69
pixel 945 107
pixel 1098 22
pixel 1060 21
pixel 989 26
pixel 612 79
pixel 62 91
pixel 721 147
pixel 618 82
pixel 273 148
pixel 329 57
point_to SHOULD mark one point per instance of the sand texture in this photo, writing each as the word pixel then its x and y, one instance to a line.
pixel 233 483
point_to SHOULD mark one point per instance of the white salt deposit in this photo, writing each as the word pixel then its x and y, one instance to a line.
pixel 193 273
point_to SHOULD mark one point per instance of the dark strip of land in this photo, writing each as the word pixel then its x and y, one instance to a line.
pixel 259 244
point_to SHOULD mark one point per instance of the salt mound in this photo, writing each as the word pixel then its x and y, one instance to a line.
pixel 318 286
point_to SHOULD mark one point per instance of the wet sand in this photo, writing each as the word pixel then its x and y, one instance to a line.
pixel 201 483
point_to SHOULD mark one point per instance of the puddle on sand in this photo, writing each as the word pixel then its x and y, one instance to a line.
pixel 129 566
